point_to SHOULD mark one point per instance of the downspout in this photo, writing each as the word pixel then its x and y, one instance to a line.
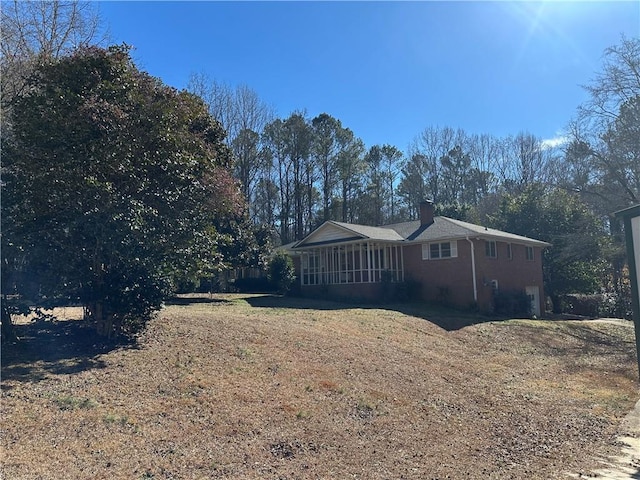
pixel 473 269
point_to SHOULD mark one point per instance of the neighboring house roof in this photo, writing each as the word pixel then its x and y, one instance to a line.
pixel 442 228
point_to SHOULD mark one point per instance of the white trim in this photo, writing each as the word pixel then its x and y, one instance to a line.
pixel 527 249
pixel 488 250
pixel 473 269
pixel 533 292
pixel 453 250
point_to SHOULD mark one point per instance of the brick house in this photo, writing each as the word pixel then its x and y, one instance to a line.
pixel 449 260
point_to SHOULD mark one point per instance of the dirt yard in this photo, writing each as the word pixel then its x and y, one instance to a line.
pixel 259 387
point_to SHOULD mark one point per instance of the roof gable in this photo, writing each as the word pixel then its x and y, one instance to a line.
pixel 336 232
pixel 328 232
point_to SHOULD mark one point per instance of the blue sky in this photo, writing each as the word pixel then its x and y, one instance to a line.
pixel 387 70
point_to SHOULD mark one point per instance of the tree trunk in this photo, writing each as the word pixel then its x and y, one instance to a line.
pixel 556 303
pixel 104 322
pixel 7 333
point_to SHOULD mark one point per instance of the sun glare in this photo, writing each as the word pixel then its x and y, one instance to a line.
pixel 547 24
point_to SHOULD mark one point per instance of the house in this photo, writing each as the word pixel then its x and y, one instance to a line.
pixel 446 260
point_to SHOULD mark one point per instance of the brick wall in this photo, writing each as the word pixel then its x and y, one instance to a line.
pixel 451 279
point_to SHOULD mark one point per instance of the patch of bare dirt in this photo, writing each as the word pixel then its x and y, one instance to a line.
pixel 258 387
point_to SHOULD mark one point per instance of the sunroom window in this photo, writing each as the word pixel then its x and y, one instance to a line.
pixel 362 262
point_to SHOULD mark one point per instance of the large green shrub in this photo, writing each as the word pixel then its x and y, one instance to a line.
pixel 281 272
pixel 112 183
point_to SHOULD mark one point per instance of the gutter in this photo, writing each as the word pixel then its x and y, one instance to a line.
pixel 473 269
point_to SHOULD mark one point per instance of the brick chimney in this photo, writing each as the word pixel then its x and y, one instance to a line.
pixel 426 213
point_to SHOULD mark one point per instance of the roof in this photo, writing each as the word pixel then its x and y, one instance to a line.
pixel 442 228
pixel 339 232
pixel 374 233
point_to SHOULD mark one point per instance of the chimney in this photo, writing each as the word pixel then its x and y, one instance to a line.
pixel 426 213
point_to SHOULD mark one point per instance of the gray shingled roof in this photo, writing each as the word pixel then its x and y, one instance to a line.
pixel 373 233
pixel 442 228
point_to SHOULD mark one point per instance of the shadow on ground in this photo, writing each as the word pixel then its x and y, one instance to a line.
pixel 573 340
pixel 447 318
pixel 54 347
pixel 185 300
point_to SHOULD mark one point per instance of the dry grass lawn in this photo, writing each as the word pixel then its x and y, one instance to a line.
pixel 259 387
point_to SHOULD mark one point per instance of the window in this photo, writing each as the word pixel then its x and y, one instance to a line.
pixel 311 267
pixel 529 253
pixel 352 263
pixel 490 249
pixel 509 252
pixel 434 251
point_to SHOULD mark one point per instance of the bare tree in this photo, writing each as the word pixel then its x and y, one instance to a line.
pixel 523 161
pixel 220 99
pixel 617 83
pixel 42 29
pixel 238 108
pixel 605 131
pixel 249 161
pixel 251 113
pixel 432 145
pixel 456 175
pixel 244 116
pixel 484 152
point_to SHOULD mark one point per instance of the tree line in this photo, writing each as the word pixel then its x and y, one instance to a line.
pixel 297 172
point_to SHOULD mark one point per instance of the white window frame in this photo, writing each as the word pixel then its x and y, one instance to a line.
pixel 488 250
pixel 529 253
pixel 510 251
pixel 452 246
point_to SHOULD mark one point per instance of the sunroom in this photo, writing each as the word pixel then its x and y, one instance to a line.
pixel 340 253
pixel 358 262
